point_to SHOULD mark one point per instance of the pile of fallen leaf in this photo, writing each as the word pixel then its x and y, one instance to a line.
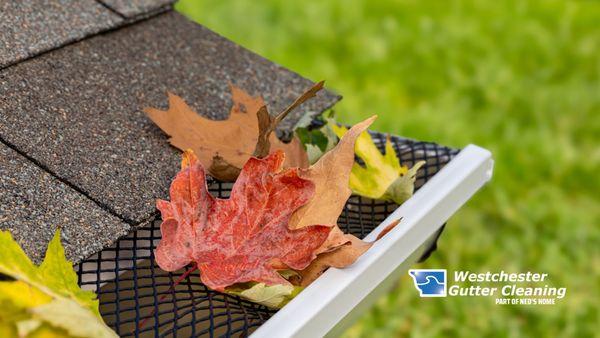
pixel 274 235
pixel 277 232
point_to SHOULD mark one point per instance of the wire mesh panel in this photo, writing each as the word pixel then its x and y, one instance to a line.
pixel 138 299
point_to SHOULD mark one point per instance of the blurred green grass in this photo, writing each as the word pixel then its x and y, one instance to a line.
pixel 521 78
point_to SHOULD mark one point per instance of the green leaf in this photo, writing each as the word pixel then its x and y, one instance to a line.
pixel 273 296
pixel 404 186
pixel 312 137
pixel 45 300
pixel 317 141
pixel 382 176
pixel 57 273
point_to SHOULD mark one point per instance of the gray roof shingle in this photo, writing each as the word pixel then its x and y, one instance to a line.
pixel 132 8
pixel 29 27
pixel 33 204
pixel 77 111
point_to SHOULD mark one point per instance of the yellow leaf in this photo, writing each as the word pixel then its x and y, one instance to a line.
pixel 43 301
pixel 7 329
pixel 22 294
pixel 382 176
pixel 47 331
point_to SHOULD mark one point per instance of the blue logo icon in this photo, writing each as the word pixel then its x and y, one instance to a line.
pixel 429 282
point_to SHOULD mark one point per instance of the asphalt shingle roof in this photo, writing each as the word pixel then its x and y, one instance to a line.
pixel 33 204
pixel 132 8
pixel 29 27
pixel 76 112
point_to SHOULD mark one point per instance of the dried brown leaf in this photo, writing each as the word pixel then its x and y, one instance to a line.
pixel 330 175
pixel 340 257
pixel 222 146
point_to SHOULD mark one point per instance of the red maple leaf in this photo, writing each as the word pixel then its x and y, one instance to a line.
pixel 245 237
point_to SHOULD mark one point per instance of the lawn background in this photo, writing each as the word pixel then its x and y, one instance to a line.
pixel 521 78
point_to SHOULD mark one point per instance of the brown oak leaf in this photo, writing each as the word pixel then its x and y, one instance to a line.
pixel 245 237
pixel 340 257
pixel 223 146
pixel 330 174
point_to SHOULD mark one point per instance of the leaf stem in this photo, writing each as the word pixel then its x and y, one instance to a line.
pixel 267 124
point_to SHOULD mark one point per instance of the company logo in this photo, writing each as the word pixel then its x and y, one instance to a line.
pixel 429 282
pixel 514 288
